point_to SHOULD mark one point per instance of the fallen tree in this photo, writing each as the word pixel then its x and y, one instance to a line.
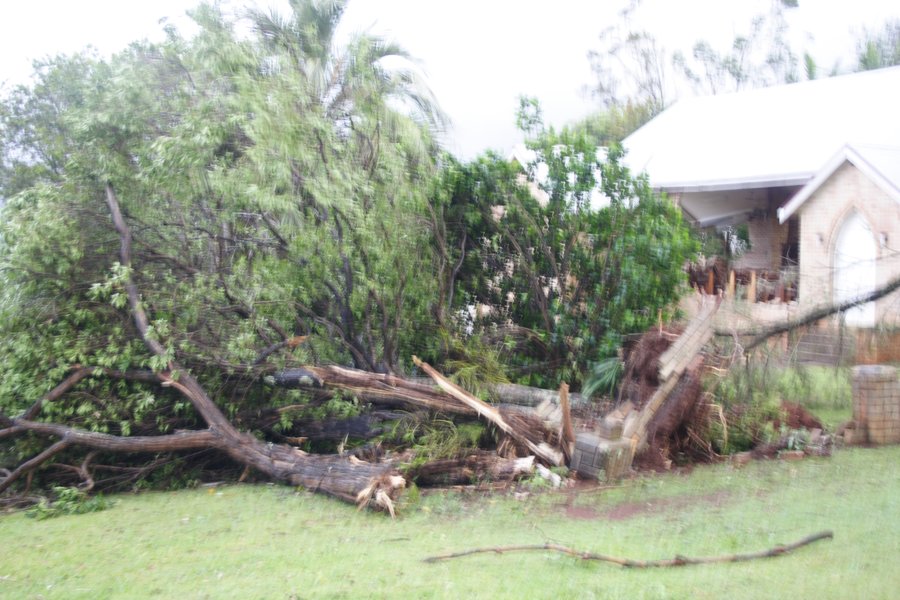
pixel 755 337
pixel 472 467
pixel 348 479
pixel 344 477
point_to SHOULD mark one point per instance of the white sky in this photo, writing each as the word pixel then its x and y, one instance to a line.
pixel 479 55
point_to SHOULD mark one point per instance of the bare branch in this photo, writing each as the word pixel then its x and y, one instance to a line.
pixel 30 465
pixel 678 561
pixel 58 391
pixel 761 335
pixel 182 440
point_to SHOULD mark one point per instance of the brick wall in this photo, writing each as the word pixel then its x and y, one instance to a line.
pixel 766 237
pixel 876 403
pixel 821 217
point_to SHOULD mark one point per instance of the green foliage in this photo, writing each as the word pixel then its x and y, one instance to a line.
pixel 338 406
pixel 613 124
pixel 69 501
pixel 604 377
pixel 177 473
pixel 879 49
pixel 572 277
pixel 275 184
pixel 437 438
pixel 749 404
pixel 751 399
pixel 815 387
pixel 473 364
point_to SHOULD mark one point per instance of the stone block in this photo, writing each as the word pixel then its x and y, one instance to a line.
pixel 598 458
pixel 611 428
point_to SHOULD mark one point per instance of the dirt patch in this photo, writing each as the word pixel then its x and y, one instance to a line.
pixel 797 417
pixel 584 513
pixel 629 510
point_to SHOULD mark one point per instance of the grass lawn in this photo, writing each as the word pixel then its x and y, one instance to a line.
pixel 263 541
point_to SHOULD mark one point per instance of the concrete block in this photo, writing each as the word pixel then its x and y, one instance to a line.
pixel 595 457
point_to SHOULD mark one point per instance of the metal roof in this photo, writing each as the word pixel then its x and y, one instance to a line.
pixel 767 137
pixel 880 163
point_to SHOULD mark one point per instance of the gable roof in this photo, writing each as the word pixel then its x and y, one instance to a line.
pixel 881 164
pixel 776 136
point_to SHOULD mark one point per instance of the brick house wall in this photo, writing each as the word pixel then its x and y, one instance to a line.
pixel 766 239
pixel 821 218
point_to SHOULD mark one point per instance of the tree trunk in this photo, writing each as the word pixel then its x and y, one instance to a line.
pixel 348 479
pixel 376 388
pixel 468 469
pixel 523 395
pixel 412 393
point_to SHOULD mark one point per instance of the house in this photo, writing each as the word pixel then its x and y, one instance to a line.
pixel 811 170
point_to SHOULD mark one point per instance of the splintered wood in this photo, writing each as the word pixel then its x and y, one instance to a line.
pixel 684 353
pixel 541 450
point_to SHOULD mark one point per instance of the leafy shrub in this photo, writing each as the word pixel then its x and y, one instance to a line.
pixel 751 399
pixel 69 501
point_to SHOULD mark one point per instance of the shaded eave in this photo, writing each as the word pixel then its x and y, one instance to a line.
pixel 726 185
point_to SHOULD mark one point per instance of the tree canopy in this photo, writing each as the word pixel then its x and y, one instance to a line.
pixel 283 202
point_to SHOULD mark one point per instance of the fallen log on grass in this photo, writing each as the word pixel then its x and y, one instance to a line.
pixel 678 561
pixel 471 468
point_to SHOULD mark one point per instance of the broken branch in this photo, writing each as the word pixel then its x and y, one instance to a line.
pixel 678 561
pixel 759 336
pixel 542 451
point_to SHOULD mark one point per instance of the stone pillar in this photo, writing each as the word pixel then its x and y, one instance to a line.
pixel 876 403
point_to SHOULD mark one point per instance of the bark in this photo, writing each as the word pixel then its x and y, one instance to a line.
pixel 472 467
pixel 411 393
pixel 376 388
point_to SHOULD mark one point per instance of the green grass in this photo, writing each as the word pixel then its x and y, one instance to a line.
pixel 263 541
pixel 824 391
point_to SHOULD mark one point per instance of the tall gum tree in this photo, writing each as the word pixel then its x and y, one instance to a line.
pixel 270 191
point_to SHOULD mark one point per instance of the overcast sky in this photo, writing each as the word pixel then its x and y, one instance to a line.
pixel 479 55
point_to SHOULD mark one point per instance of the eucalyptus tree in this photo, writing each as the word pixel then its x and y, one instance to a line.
pixel 271 189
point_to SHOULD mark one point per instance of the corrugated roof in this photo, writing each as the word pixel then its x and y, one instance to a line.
pixel 781 135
